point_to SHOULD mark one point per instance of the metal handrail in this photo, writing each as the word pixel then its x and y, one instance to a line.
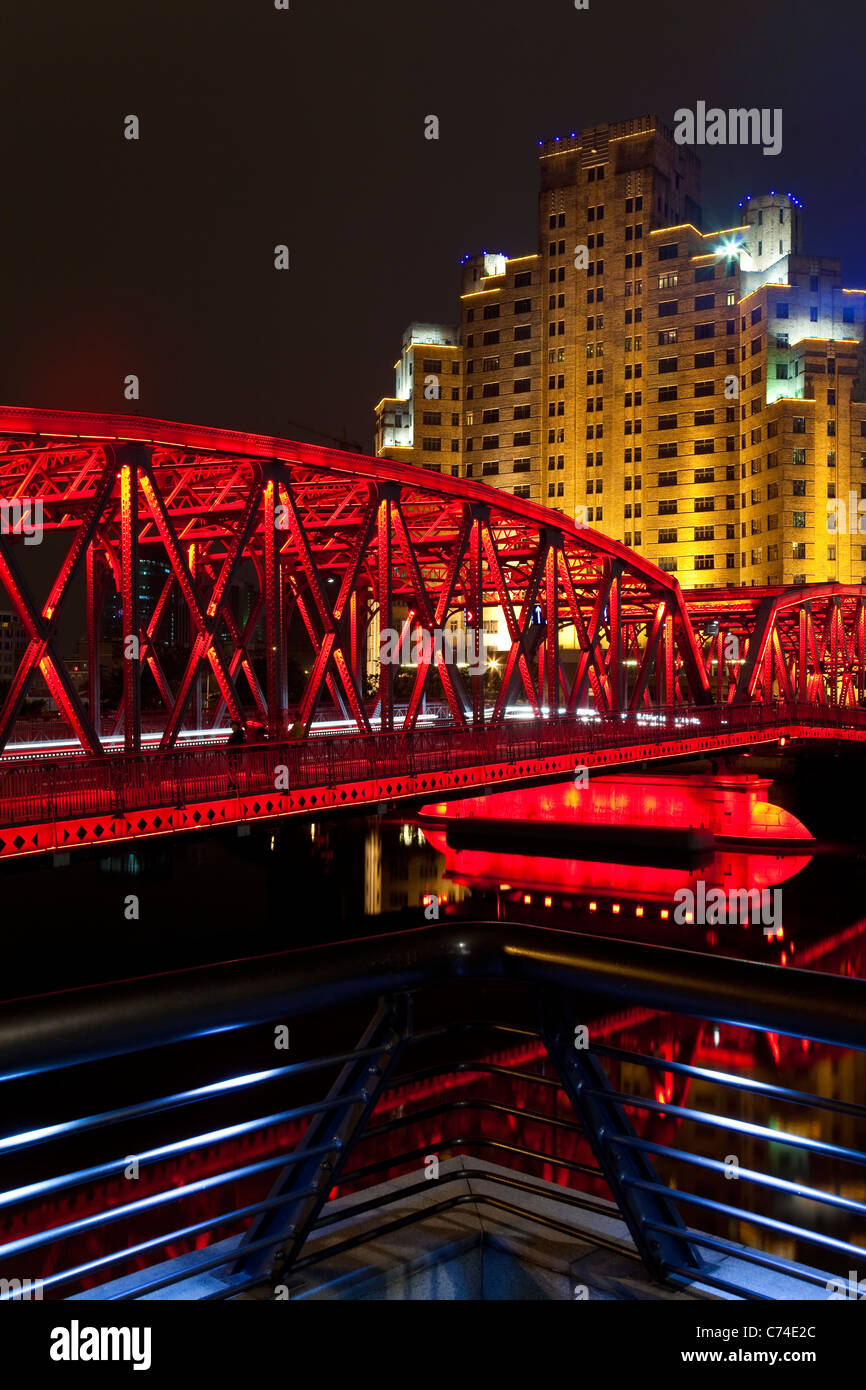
pixel 56 1030
pixel 569 976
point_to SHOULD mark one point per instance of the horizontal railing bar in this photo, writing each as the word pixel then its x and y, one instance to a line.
pixel 156 1199
pixel 182 1232
pixel 104 1170
pixel 741 1083
pixel 741 1252
pixel 706 1276
pixel 678 1194
pixel 212 1091
pixel 755 1131
pixel 469 1141
pixel 455 1068
pixel 716 1165
pixel 70 1027
pixel 495 1107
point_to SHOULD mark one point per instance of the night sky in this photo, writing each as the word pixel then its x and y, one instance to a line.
pixel 306 127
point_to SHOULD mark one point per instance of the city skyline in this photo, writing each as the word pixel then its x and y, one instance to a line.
pixel 169 273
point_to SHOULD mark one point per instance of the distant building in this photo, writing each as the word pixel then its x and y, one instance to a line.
pixel 13 641
pixel 700 396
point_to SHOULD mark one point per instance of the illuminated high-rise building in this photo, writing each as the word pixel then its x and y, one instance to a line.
pixel 699 395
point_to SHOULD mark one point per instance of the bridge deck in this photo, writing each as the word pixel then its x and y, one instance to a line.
pixel 59 805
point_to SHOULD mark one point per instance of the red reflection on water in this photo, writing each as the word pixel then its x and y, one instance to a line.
pixel 734 807
pixel 728 808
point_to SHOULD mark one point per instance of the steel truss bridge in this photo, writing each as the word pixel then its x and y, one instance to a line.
pixel 270 546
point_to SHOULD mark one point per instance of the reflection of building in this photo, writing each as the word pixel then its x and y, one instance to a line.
pixel 406 873
pixel 13 641
pixel 700 396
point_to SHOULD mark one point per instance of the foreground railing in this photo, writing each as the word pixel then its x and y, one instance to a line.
pixel 190 1131
pixel 123 783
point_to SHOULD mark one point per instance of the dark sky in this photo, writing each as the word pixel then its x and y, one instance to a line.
pixel 306 127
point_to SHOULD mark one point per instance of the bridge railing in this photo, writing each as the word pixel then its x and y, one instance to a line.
pixel 121 783
pixel 191 1132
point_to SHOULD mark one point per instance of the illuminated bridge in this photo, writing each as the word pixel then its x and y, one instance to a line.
pixel 265 544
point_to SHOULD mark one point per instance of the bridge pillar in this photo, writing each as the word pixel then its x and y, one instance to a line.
pixel 95 604
pixel 551 640
pixel 129 603
pixel 275 639
pixel 474 617
pixel 387 492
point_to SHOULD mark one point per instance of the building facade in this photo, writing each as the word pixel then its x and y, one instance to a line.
pixel 700 396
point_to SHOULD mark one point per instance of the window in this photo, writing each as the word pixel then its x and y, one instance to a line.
pixel 667 479
pixel 798 424
pixel 521 384
pixel 432 417
pixel 489 467
pixel 490 364
pixel 490 389
pixel 705 533
pixel 667 506
pixel 798 487
pixel 705 272
pixel 521 306
pixel 668 451
pixel 705 359
pixel 667 535
pixel 705 417
pixel 667 393
pixel 522 490
pixel 705 388
pixel 756 315
pixel 668 307
pixel 522 437
pixel 705 301
pixel 705 330
pixel 666 282
pixel 813 314
pixel 524 278
pixel 799 520
pixel 667 335
pixel 669 251
pixel 491 337
pixel 667 563
pixel 704 562
pixel 522 412
pixel 798 456
pixel 522 359
pixel 667 364
pixel 667 422
pixel 491 311
pixel 431 446
pixel 848 315
pixel 705 475
pixel 705 504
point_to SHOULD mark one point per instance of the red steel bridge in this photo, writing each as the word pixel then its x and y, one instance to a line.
pixel 270 547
